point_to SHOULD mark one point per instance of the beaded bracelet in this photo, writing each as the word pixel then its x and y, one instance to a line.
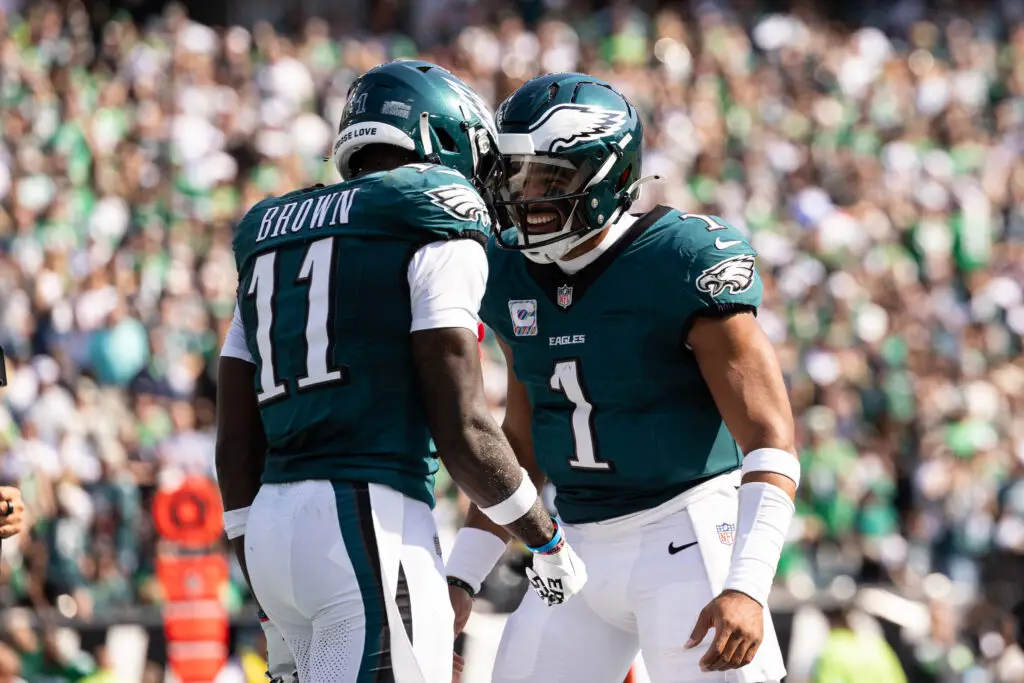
pixel 459 583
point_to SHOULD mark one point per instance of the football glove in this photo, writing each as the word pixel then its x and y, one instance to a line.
pixel 280 663
pixel 557 575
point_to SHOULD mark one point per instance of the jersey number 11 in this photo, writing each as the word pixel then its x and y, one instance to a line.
pixel 316 270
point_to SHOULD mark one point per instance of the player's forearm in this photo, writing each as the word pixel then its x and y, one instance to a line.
pixel 475 519
pixel 770 432
pixel 481 464
pixel 238 547
pixel 474 449
pixel 742 372
pixel 239 466
pixel 241 443
pixel 478 520
pixel 238 478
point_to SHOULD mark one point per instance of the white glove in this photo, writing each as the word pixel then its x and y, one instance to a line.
pixel 557 576
pixel 280 663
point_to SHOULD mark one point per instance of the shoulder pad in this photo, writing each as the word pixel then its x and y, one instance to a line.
pixel 416 176
pixel 721 270
pixel 439 199
pixel 698 232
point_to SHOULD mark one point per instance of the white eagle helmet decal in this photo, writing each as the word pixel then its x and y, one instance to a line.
pixel 735 274
pixel 567 125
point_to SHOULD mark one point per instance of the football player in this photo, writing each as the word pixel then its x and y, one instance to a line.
pixel 354 341
pixel 641 385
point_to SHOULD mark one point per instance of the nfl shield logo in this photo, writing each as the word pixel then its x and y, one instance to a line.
pixel 726 533
pixel 565 296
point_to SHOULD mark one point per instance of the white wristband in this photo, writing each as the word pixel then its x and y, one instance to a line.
pixel 473 556
pixel 765 513
pixel 516 505
pixel 234 522
pixel 773 460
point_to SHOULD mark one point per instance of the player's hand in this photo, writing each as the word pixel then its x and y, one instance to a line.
pixel 458 664
pixel 557 576
pixel 12 511
pixel 462 604
pixel 738 621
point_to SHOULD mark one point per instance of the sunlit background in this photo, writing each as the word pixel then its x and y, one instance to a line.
pixel 872 151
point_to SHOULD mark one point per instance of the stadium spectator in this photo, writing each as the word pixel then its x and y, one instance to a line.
pixel 877 166
pixel 850 655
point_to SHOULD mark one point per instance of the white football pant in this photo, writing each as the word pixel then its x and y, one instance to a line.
pixel 639 597
pixel 352 576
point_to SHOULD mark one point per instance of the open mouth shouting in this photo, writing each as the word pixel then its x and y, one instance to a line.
pixel 544 220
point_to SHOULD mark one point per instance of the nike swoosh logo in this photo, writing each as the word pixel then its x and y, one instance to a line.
pixel 725 244
pixel 673 549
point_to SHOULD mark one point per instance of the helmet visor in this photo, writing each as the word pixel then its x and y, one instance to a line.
pixel 541 195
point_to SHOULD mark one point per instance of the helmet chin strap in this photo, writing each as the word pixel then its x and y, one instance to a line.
pixel 549 253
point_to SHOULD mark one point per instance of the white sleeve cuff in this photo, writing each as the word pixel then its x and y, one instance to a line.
pixel 773 460
pixel 473 556
pixel 515 506
pixel 235 521
pixel 234 342
pixel 446 285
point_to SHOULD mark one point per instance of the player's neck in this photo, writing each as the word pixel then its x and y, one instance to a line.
pixel 584 254
pixel 587 246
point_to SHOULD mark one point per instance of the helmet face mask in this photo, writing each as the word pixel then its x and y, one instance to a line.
pixel 571 155
pixel 540 200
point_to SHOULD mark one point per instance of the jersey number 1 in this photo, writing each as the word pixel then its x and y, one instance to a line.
pixel 566 380
pixel 316 269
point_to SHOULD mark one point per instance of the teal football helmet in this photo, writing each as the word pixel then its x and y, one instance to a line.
pixel 422 108
pixel 571 153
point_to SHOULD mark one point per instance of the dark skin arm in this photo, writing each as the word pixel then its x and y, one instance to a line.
pixel 740 368
pixel 241 442
pixel 476 453
pixel 516 427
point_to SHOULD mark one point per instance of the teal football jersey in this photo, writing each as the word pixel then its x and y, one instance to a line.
pixel 622 418
pixel 324 298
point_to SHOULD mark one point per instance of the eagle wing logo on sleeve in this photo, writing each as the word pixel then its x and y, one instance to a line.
pixel 461 202
pixel 734 274
pixel 567 125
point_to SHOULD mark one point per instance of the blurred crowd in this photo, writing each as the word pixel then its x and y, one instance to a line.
pixel 876 167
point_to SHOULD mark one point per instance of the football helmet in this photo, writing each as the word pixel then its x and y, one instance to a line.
pixel 423 108
pixel 571 156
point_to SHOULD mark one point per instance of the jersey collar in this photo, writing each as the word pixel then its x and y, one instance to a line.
pixel 565 289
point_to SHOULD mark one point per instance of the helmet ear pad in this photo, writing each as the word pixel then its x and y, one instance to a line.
pixel 378 157
pixel 354 137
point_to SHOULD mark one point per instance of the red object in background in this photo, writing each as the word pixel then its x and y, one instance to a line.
pixel 197 662
pixel 191 578
pixel 629 676
pixel 189 517
pixel 480 338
